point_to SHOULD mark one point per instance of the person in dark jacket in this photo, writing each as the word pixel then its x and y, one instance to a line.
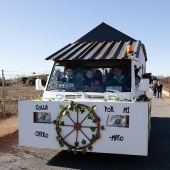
pixel 119 79
pixel 88 79
pixel 159 88
pixel 69 76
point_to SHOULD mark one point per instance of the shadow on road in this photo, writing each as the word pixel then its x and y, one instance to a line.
pixel 158 156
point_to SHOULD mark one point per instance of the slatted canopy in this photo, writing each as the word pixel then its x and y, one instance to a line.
pixel 101 43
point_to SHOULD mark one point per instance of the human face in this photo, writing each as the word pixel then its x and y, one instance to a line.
pixel 89 74
pixel 137 80
pixel 69 72
pixel 117 72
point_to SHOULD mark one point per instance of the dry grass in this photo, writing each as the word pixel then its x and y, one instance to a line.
pixel 12 95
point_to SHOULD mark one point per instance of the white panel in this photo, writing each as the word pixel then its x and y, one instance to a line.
pixel 135 138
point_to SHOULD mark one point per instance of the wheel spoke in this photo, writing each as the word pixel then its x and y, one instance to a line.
pixel 68 125
pixel 77 136
pixel 68 134
pixel 88 127
pixel 71 119
pixel 77 116
pixel 85 118
pixel 84 135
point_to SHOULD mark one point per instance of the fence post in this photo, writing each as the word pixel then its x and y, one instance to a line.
pixel 3 95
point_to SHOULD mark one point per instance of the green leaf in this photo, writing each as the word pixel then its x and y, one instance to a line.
pixel 58 129
pixel 104 99
pixel 93 129
pixel 76 107
pixel 94 107
pixel 82 109
pixel 61 107
pixel 90 148
pixel 94 121
pixel 90 116
pixel 110 98
pixel 61 144
pixel 69 150
pixel 142 98
pixel 99 119
pixel 84 151
pixel 62 123
pixel 93 136
pixel 102 127
pixel 54 121
pixel 70 107
pixel 74 152
pixel 133 99
pixel 65 100
pixel 66 112
pixel 89 109
pixel 71 102
pixel 99 136
pixel 83 141
pixel 39 98
pixel 76 144
pixel 58 138
pixel 59 116
pixel 117 98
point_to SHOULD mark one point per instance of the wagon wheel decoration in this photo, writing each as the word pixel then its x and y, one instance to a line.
pixel 77 126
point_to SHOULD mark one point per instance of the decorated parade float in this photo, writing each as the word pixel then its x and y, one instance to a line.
pixel 103 117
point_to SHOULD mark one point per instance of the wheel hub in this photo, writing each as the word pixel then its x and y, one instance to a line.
pixel 77 126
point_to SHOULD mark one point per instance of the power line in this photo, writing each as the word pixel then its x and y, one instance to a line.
pixel 22 72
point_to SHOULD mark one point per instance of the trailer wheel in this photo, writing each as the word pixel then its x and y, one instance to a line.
pixel 77 126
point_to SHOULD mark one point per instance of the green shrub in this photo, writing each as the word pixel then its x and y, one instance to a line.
pixel 30 81
pixel 23 80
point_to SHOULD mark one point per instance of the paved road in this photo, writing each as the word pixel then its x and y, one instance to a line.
pixel 15 158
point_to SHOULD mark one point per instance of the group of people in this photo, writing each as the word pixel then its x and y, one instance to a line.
pixel 95 78
pixel 157 89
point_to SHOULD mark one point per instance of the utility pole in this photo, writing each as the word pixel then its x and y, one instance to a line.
pixel 3 94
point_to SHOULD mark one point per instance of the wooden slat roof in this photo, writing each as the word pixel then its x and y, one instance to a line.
pixel 103 42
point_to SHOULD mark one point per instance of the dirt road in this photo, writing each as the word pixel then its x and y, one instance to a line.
pixel 14 157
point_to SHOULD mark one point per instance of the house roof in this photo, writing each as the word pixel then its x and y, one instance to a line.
pixel 103 42
pixel 104 32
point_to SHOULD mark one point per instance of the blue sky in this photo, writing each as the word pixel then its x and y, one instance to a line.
pixel 31 30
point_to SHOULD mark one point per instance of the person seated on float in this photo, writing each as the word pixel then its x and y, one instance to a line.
pixel 88 79
pixel 97 78
pixel 69 76
pixel 119 79
pixel 100 80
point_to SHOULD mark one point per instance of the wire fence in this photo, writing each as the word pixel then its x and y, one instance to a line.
pixel 11 91
pixel 166 83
